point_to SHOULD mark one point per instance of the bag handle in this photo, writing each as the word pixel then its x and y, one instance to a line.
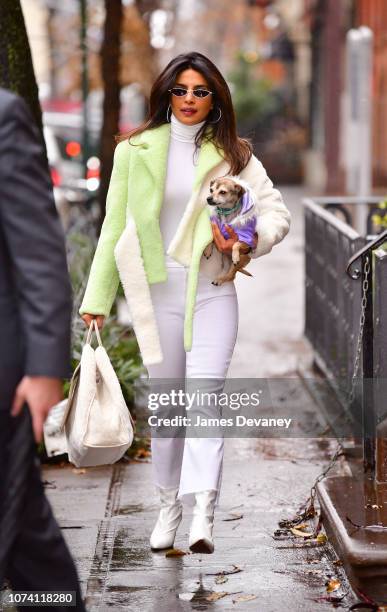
pixel 93 327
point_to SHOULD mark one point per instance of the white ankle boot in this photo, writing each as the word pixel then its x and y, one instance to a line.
pixel 200 535
pixel 163 534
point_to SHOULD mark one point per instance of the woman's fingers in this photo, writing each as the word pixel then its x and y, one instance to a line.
pixel 88 318
pixel 100 321
pixel 224 244
pixel 216 231
pixel 218 236
pixel 231 232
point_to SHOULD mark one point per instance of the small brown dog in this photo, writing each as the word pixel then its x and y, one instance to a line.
pixel 236 207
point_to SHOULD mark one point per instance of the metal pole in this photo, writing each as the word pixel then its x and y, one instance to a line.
pixel 359 119
pixel 332 87
pixel 365 108
pixel 369 420
pixel 84 82
pixel 352 119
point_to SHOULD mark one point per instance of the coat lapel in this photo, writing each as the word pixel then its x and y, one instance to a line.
pixel 209 157
pixel 154 155
pixel 181 246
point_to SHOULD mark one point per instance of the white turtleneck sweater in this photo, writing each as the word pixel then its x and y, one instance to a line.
pixel 179 179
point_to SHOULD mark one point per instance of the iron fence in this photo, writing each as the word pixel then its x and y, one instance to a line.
pixel 332 301
pixel 346 317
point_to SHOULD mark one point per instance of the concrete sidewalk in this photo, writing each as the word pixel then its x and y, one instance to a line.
pixel 107 514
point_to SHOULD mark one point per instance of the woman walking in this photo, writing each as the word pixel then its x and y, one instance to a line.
pixel 156 228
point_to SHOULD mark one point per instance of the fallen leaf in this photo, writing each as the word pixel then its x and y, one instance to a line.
pixel 301 534
pixel 244 598
pixel 215 596
pixel 321 538
pixel 78 471
pixel 221 579
pixel 333 585
pixel 175 552
pixel 186 596
pixel 233 517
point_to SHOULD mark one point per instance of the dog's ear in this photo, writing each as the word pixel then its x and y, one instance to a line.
pixel 240 190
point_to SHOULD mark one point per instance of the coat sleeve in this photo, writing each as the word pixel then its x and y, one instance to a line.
pixel 35 244
pixel 103 280
pixel 273 221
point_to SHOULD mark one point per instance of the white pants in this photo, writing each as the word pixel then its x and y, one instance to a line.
pixel 192 464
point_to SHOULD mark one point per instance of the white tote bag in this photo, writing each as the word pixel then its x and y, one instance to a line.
pixel 97 422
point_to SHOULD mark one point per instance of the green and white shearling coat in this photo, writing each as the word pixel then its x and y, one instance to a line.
pixel 130 246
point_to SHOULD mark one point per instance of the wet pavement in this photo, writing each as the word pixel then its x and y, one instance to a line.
pixel 107 514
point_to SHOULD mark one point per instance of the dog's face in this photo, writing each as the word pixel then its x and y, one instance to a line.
pixel 224 192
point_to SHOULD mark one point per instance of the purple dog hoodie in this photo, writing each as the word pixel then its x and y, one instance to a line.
pixel 244 224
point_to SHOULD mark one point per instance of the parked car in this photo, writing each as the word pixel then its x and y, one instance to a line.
pixel 57 171
pixel 72 185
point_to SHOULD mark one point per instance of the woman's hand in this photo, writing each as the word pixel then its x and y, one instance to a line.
pixel 224 245
pixel 88 318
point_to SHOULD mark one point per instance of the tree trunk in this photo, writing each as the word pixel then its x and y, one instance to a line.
pixel 333 35
pixel 110 57
pixel 16 68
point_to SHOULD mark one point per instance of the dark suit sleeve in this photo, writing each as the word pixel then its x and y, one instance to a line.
pixel 35 242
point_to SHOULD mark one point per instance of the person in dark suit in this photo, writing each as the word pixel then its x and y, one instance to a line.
pixel 35 313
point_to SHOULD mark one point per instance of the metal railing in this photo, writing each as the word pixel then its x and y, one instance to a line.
pixel 346 317
pixel 369 266
pixel 380 362
pixel 332 301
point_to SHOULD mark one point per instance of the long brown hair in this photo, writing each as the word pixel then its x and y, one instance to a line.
pixel 237 151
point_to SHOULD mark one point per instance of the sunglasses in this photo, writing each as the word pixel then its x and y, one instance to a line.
pixel 182 91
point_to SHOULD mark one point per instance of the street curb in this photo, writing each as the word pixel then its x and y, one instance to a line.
pixel 348 506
